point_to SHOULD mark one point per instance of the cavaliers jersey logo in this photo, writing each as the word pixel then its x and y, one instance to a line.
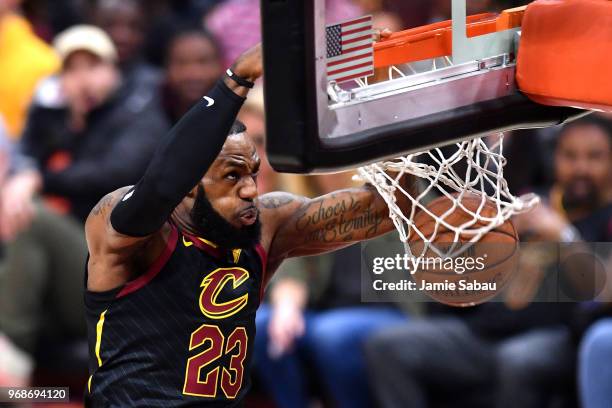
pixel 214 283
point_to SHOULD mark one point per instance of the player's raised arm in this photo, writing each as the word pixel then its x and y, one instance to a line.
pixel 131 218
pixel 302 226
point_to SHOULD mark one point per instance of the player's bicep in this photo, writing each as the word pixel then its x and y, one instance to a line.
pixel 114 258
pixel 276 210
pixel 102 239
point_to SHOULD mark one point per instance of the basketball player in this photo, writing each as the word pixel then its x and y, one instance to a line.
pixel 179 261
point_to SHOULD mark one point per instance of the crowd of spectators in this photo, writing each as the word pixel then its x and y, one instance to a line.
pixel 87 90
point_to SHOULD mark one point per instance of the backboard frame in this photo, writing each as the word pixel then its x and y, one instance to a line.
pixel 305 136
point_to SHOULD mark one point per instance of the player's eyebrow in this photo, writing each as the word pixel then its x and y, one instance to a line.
pixel 230 161
pixel 234 162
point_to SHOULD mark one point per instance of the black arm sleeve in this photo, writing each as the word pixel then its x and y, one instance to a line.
pixel 179 163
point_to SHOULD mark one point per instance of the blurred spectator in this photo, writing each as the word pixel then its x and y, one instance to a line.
pixel 587 147
pixel 370 6
pixel 234 38
pixel 579 204
pixel 88 134
pixel 5 152
pixel 581 195
pixel 382 17
pixel 315 320
pixel 595 371
pixel 442 9
pixel 186 10
pixel 126 24
pixel 193 65
pixel 530 154
pixel 420 12
pixel 165 15
pixel 81 122
pixel 485 356
pixel 412 13
pixel 190 12
pixel 24 60
pixel 387 20
pixel 526 356
pixel 51 17
pixel 11 161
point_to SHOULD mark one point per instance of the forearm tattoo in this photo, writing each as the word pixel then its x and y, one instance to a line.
pixel 339 217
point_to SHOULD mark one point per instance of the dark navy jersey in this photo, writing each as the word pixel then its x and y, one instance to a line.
pixel 179 335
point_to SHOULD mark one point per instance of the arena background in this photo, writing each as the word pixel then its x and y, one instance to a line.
pixel 69 134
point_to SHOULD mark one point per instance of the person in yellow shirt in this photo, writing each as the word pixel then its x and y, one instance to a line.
pixel 24 60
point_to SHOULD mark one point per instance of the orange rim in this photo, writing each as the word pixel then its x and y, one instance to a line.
pixel 436 40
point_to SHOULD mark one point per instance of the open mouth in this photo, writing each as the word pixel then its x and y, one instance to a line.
pixel 248 216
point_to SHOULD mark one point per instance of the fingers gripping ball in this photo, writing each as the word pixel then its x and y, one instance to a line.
pixel 475 273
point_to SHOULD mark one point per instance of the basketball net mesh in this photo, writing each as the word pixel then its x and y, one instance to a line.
pixel 475 167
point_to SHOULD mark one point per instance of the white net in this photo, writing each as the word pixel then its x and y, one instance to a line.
pixel 469 174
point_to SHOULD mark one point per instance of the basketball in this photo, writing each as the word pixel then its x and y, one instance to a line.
pixel 475 274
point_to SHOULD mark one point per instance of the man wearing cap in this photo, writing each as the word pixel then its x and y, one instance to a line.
pixel 87 134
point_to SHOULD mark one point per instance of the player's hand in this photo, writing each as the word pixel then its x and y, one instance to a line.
pixel 16 204
pixel 286 325
pixel 250 64
pixel 381 34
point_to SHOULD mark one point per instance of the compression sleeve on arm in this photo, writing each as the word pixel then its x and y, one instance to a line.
pixel 180 161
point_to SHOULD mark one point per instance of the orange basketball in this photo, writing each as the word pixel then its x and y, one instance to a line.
pixel 474 275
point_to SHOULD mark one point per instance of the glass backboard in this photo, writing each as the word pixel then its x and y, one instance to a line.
pixel 431 85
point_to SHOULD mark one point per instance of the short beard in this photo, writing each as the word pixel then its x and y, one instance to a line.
pixel 217 229
pixel 586 200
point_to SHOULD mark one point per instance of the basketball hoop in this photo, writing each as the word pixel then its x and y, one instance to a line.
pixel 437 94
pixel 474 169
pixel 483 164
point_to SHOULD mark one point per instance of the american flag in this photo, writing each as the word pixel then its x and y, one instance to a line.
pixel 350 52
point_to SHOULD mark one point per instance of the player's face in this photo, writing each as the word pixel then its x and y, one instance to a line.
pixel 193 66
pixel 224 210
pixel 583 164
pixel 231 182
